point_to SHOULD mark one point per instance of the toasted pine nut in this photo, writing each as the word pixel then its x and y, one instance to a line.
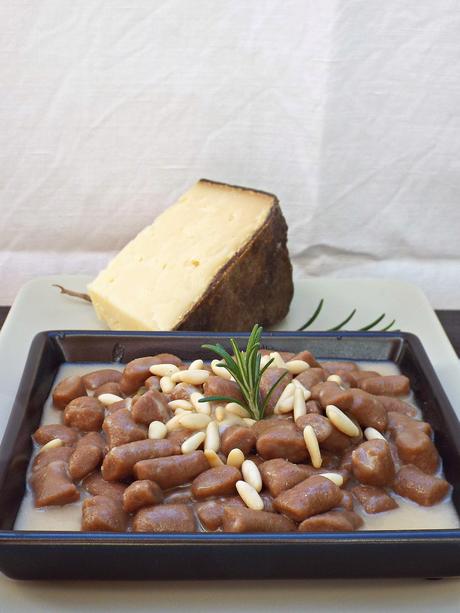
pixel 213 458
pixel 335 379
pixel 163 370
pixel 306 393
pixel 249 496
pixel 299 404
pixel 334 477
pixel 180 404
pixel 108 399
pixel 200 407
pixel 194 421
pixel 219 370
pixel 249 421
pixel 157 429
pixel 230 420
pixel 192 442
pixel 286 406
pixel 194 377
pixel 297 366
pixel 196 365
pixel 251 474
pixel 53 444
pixel 236 409
pixel 174 423
pixel 372 433
pixel 235 458
pixel 278 361
pixel 212 440
pixel 166 384
pixel 285 394
pixel 180 411
pixel 312 446
pixel 341 421
pixel 219 413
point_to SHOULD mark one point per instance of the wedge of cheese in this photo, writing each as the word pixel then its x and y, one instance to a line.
pixel 215 260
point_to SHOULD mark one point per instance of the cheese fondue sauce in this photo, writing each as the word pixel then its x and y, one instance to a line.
pixel 409 515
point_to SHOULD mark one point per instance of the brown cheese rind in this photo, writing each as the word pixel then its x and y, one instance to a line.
pixel 254 286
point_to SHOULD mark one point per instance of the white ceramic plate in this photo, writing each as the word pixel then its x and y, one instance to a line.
pixel 39 306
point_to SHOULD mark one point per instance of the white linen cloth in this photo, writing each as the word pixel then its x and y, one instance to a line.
pixel 348 110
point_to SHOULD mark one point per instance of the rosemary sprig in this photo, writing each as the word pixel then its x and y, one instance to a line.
pixel 340 326
pixel 245 368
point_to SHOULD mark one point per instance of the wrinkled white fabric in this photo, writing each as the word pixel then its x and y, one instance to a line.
pixel 348 110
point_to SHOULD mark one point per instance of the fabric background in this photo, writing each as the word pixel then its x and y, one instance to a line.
pixel 348 110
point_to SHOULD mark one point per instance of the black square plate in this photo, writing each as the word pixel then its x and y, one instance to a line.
pixel 80 555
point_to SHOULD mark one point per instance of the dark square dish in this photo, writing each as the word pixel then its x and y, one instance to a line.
pixel 79 555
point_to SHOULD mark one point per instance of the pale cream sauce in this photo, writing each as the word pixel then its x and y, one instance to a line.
pixel 409 516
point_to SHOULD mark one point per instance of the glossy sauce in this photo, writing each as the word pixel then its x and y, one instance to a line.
pixel 409 515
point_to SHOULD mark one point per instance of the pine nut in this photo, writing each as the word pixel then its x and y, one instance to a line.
pixel 157 430
pixel 297 366
pixel 194 421
pixel 249 421
pixel 235 458
pixel 163 370
pixel 219 370
pixel 335 379
pixel 53 444
pixel 219 413
pixel 200 407
pixel 193 442
pixel 286 393
pixel 180 404
pixel 213 458
pixel 249 496
pixel 180 411
pixel 306 393
pixel 196 365
pixel 278 361
pixel 299 404
pixel 174 423
pixel 230 420
pixel 341 421
pixel 212 440
pixel 286 406
pixel 236 409
pixel 251 474
pixel 334 477
pixel 312 446
pixel 372 433
pixel 194 377
pixel 166 384
pixel 108 399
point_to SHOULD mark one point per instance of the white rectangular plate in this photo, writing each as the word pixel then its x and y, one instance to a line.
pixel 39 306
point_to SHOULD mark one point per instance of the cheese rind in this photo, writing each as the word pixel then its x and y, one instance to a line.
pixel 180 267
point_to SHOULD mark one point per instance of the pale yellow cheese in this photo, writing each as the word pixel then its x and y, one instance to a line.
pixel 158 277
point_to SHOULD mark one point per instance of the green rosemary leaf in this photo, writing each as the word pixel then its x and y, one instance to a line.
pixel 314 316
pixel 386 328
pixel 270 392
pixel 342 323
pixel 221 399
pixel 266 367
pixel 241 377
pixel 220 351
pixel 374 323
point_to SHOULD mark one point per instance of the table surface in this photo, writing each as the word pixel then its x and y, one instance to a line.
pixel 450 321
